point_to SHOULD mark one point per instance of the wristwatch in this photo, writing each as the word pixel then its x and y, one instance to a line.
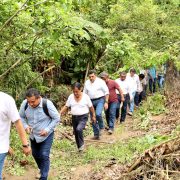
pixel 25 146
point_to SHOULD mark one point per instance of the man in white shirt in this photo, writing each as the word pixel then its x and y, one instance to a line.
pixel 125 86
pixel 133 80
pixel 8 114
pixel 98 92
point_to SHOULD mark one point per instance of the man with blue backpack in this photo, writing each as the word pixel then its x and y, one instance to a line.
pixel 39 117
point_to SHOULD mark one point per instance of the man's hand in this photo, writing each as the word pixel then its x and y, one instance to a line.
pixel 93 119
pixel 122 99
pixel 43 133
pixel 10 151
pixel 106 106
pixel 27 150
pixel 28 130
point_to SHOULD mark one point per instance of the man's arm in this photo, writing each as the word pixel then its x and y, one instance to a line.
pixel 22 135
pixel 93 114
pixel 63 110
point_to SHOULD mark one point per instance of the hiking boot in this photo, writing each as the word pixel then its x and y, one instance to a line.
pixel 130 113
pixel 95 138
pixel 110 131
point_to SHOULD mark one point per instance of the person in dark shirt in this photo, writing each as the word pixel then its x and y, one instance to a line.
pixel 113 100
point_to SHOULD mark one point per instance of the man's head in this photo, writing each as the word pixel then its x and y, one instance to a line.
pixel 33 97
pixel 104 76
pixel 92 75
pixel 77 89
pixel 132 72
pixel 141 77
pixel 123 76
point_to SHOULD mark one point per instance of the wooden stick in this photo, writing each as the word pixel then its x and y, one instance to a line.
pixel 3 74
pixel 99 141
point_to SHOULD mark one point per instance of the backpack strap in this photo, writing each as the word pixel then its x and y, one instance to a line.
pixel 26 106
pixel 45 108
pixel 44 105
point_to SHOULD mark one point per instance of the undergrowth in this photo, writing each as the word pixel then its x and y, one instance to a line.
pixel 154 105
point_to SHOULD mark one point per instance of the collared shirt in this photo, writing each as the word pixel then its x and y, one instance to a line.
pixel 96 89
pixel 81 107
pixel 124 85
pixel 38 120
pixel 133 82
pixel 8 114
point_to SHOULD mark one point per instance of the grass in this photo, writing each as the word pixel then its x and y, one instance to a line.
pixel 65 156
pixel 154 105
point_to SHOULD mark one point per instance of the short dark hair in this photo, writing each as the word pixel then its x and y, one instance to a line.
pixel 76 85
pixel 123 73
pixel 142 76
pixel 32 92
pixel 133 70
pixel 92 72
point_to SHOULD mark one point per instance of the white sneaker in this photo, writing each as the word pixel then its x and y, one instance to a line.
pixel 110 131
pixel 81 148
pixel 130 113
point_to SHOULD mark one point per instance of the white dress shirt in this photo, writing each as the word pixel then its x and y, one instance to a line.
pixel 133 82
pixel 96 89
pixel 124 85
pixel 8 114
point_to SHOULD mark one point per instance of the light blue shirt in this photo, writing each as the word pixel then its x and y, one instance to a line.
pixel 38 120
pixel 152 72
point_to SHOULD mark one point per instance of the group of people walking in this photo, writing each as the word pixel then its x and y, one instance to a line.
pixel 38 116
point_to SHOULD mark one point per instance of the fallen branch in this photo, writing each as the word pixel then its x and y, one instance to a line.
pixel 14 65
pixel 99 141
pixel 67 136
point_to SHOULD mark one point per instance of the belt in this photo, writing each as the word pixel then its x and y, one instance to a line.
pixel 97 98
pixel 78 116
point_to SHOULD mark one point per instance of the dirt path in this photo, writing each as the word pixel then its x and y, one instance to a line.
pixel 123 132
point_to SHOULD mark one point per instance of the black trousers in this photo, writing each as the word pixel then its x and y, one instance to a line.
pixel 79 123
pixel 124 107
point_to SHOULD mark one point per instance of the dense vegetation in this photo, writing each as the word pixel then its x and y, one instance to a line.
pixel 61 39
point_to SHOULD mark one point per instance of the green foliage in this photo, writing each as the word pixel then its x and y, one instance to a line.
pixel 154 105
pixel 14 162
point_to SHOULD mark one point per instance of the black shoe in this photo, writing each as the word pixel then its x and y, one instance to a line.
pixel 95 138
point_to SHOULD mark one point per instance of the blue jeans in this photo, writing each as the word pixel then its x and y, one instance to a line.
pixel 160 81
pixel 152 85
pixel 111 114
pixel 98 105
pixel 131 106
pixel 2 158
pixel 40 152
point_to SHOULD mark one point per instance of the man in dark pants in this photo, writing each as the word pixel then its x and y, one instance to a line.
pixel 152 79
pixel 40 125
pixel 123 83
pixel 80 105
